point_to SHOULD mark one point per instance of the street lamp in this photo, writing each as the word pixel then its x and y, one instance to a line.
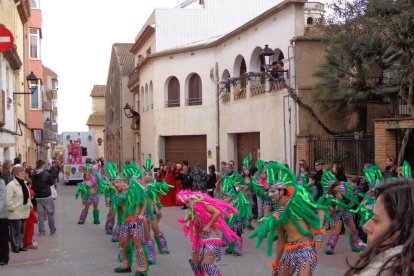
pixel 47 123
pixel 267 53
pixel 130 112
pixel 32 83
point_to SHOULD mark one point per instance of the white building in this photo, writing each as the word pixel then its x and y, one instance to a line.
pixel 209 101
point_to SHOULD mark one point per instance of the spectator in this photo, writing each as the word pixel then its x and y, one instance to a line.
pixel 311 187
pixel 18 205
pixel 390 233
pixel 303 173
pixel 390 168
pixel 338 171
pixel 318 176
pixel 16 162
pixel 200 178
pixel 212 179
pixel 42 181
pixel 31 220
pixel 302 162
pixel 7 169
pixel 4 228
pixel 54 173
pixel 220 175
pixel 186 180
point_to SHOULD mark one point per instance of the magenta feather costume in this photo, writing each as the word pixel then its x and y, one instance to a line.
pixel 197 214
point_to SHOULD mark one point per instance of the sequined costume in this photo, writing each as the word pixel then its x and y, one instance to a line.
pixel 339 198
pixel 129 202
pixel 297 208
pixel 202 227
pixel 88 190
pixel 232 191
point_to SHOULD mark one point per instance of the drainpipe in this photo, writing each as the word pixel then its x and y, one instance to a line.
pixel 121 150
pixel 217 117
pixel 293 82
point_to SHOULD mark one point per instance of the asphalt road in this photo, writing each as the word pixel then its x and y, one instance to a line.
pixel 86 250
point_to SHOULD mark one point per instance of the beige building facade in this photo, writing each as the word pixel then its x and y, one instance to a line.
pixel 211 100
pixel 96 121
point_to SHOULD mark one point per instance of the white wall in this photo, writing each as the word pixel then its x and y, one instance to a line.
pixel 216 18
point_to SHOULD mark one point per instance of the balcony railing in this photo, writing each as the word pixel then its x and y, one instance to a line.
pixel 314 6
pixel 47 106
pixel 240 94
pixel 225 97
pixel 172 103
pixel 258 90
pixel 194 101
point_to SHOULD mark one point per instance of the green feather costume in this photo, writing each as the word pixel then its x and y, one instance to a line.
pixel 232 185
pixel 301 206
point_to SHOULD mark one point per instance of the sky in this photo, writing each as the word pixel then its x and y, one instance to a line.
pixel 76 45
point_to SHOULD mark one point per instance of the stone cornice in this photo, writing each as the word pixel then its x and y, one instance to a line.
pixel 23 8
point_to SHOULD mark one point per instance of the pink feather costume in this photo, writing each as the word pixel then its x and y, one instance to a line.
pixel 198 214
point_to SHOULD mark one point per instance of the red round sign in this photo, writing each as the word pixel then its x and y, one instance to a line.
pixel 6 39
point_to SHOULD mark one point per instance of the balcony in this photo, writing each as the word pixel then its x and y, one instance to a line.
pixel 47 106
pixel 240 94
pixel 133 79
pixel 54 128
pixel 314 6
pixel 258 90
pixel 225 97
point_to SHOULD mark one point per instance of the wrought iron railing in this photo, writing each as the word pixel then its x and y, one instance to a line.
pixel 353 151
pixel 240 93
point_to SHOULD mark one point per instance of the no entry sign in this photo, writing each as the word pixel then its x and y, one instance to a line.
pixel 6 39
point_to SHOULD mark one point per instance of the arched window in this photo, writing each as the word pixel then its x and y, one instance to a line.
pixel 309 21
pixel 173 93
pixel 142 103
pixel 243 70
pixel 151 96
pixel 195 90
pixel 146 97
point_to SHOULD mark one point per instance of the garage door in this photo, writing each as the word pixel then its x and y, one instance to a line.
pixel 189 147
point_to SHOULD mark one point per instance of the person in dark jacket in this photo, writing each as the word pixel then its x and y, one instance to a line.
pixel 54 173
pixel 212 179
pixel 318 176
pixel 42 182
pixel 186 180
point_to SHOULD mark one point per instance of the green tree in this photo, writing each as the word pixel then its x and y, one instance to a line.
pixel 366 40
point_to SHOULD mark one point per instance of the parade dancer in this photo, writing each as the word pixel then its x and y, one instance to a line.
pixel 260 185
pixel 233 194
pixel 296 225
pixel 129 202
pixel 88 190
pixel 203 218
pixel 154 189
pixel 339 198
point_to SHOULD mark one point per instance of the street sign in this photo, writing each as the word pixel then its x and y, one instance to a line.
pixel 6 39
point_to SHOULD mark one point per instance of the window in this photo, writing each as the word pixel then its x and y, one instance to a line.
pixel 34 43
pixel 309 21
pixel 194 90
pixel 54 84
pixel 36 97
pixel 34 4
pixel 173 99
